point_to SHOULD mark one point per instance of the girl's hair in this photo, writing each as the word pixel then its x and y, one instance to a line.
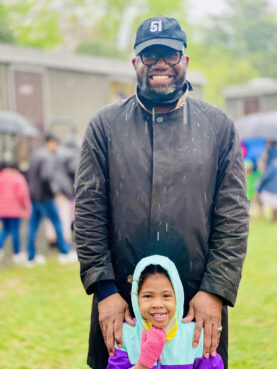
pixel 151 269
pixel 8 164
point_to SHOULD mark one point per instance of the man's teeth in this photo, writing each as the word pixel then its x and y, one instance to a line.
pixel 160 77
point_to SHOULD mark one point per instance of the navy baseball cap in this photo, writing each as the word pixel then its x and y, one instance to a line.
pixel 160 31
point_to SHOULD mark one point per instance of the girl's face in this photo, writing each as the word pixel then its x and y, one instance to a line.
pixel 157 302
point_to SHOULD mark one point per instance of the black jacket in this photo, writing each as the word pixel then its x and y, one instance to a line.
pixel 170 184
pixel 42 175
pixel 67 161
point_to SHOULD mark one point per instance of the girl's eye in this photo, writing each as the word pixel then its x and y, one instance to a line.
pixel 147 296
pixel 167 296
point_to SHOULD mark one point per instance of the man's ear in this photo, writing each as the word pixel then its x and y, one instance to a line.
pixel 134 62
pixel 187 60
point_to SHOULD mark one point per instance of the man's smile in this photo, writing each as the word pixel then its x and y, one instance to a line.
pixel 160 77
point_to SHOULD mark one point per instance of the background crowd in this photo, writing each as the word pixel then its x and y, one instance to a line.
pixel 260 158
pixel 44 191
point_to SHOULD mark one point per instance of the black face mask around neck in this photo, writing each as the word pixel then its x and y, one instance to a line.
pixel 150 98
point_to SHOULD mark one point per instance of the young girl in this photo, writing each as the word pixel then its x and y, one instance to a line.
pixel 159 339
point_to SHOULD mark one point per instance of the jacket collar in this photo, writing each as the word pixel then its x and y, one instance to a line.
pixel 179 104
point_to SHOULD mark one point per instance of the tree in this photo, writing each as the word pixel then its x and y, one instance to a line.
pixel 33 23
pixel 6 34
pixel 94 27
pixel 234 47
pixel 47 23
pixel 220 69
pixel 121 18
pixel 248 32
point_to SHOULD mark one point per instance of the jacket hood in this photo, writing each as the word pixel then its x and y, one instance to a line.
pixel 171 269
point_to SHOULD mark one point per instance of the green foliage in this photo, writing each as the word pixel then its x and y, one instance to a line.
pixel 232 48
pixel 220 69
pixel 33 23
pixel 6 34
pixel 248 31
pixel 154 8
pixel 107 25
pixel 103 38
pixel 42 23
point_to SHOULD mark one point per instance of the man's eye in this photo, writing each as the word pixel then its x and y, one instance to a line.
pixel 170 55
pixel 149 56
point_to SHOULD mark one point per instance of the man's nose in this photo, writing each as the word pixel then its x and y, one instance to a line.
pixel 160 64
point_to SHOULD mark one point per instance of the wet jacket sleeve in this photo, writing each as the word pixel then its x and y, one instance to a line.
pixel 92 209
pixel 230 218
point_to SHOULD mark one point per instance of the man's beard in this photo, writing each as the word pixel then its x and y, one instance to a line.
pixel 163 95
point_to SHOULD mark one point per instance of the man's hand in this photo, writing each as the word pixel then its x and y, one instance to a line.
pixel 113 310
pixel 206 308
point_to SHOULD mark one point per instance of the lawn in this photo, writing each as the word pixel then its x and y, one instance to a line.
pixel 44 312
pixel 44 317
pixel 253 328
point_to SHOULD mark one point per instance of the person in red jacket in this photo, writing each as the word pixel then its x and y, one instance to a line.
pixel 15 204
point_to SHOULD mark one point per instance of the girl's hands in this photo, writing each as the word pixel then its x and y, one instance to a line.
pixel 152 345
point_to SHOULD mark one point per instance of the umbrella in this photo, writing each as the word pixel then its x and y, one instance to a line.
pixel 263 125
pixel 15 124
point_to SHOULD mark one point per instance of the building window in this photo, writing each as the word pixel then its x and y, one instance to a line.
pixel 251 106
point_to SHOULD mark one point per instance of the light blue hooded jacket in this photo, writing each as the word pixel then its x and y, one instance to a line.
pixel 178 352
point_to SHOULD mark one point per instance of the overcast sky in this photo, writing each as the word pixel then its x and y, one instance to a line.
pixel 199 8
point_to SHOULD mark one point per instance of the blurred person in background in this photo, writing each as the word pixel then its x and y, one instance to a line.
pixel 267 187
pixel 252 177
pixel 15 204
pixel 42 178
pixel 67 156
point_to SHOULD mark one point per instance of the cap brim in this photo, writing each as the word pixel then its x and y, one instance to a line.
pixel 174 44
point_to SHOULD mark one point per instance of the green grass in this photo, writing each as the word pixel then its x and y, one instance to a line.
pixel 44 318
pixel 253 321
pixel 45 313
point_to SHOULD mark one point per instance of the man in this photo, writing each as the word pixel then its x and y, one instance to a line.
pixel 67 156
pixel 161 173
pixel 42 178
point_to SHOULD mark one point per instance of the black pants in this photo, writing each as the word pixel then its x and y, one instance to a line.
pixel 98 354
